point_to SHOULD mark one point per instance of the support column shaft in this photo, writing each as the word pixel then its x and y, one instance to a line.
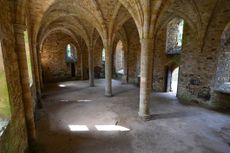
pixel 27 98
pixel 91 67
pixel 108 70
pixel 146 76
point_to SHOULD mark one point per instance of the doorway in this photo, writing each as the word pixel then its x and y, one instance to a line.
pixel 172 80
pixel 174 83
pixel 73 70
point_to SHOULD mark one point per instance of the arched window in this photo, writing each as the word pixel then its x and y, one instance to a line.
pixel 28 57
pixel 223 67
pixel 71 56
pixel 103 55
pixel 174 36
pixel 4 97
pixel 119 58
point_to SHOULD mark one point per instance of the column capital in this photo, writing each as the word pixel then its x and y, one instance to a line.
pixel 19 28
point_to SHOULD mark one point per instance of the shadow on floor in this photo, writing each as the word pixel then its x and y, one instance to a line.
pixel 171 115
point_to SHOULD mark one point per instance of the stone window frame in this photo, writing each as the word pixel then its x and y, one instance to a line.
pixel 3 122
pixel 74 53
pixel 219 84
pixel 168 36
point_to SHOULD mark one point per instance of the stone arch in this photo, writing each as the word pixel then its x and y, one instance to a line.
pixel 121 36
pixel 62 22
pixel 118 55
pixel 66 31
pixel 82 12
pixel 177 15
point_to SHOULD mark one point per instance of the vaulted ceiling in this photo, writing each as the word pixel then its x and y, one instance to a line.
pixel 81 18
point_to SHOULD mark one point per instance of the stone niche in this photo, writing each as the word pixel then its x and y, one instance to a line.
pixel 221 98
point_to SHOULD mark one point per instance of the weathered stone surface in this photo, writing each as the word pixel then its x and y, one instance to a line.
pixel 142 27
pixel 53 58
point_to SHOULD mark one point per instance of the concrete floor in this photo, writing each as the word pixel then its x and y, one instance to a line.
pixel 174 128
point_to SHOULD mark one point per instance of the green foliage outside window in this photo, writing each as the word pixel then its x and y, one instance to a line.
pixel 4 96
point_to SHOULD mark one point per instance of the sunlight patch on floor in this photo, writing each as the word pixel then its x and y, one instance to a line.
pixel 62 85
pixel 78 128
pixel 111 128
pixel 105 128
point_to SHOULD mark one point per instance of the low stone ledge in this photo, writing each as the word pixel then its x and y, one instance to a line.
pixel 225 88
pixel 3 125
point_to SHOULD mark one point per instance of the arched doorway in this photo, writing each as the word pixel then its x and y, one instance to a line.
pixel 119 60
pixel 172 79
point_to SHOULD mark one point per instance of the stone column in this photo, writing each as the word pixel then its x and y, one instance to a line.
pixel 91 67
pixel 40 67
pixel 26 93
pixel 169 80
pixel 108 70
pixel 37 76
pixel 146 77
pixel 82 67
pixel 125 76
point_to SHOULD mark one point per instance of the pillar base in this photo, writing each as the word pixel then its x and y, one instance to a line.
pixel 145 117
pixel 92 85
pixel 108 95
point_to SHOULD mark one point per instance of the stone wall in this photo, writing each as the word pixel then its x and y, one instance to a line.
pixel 53 56
pixel 98 53
pixel 14 139
pixel 164 63
pixel 99 71
pixel 189 78
pixel 223 65
pixel 134 51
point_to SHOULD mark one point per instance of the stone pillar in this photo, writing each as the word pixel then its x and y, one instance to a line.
pixel 40 67
pixel 37 76
pixel 82 67
pixel 26 93
pixel 169 80
pixel 108 70
pixel 146 76
pixel 125 76
pixel 91 67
